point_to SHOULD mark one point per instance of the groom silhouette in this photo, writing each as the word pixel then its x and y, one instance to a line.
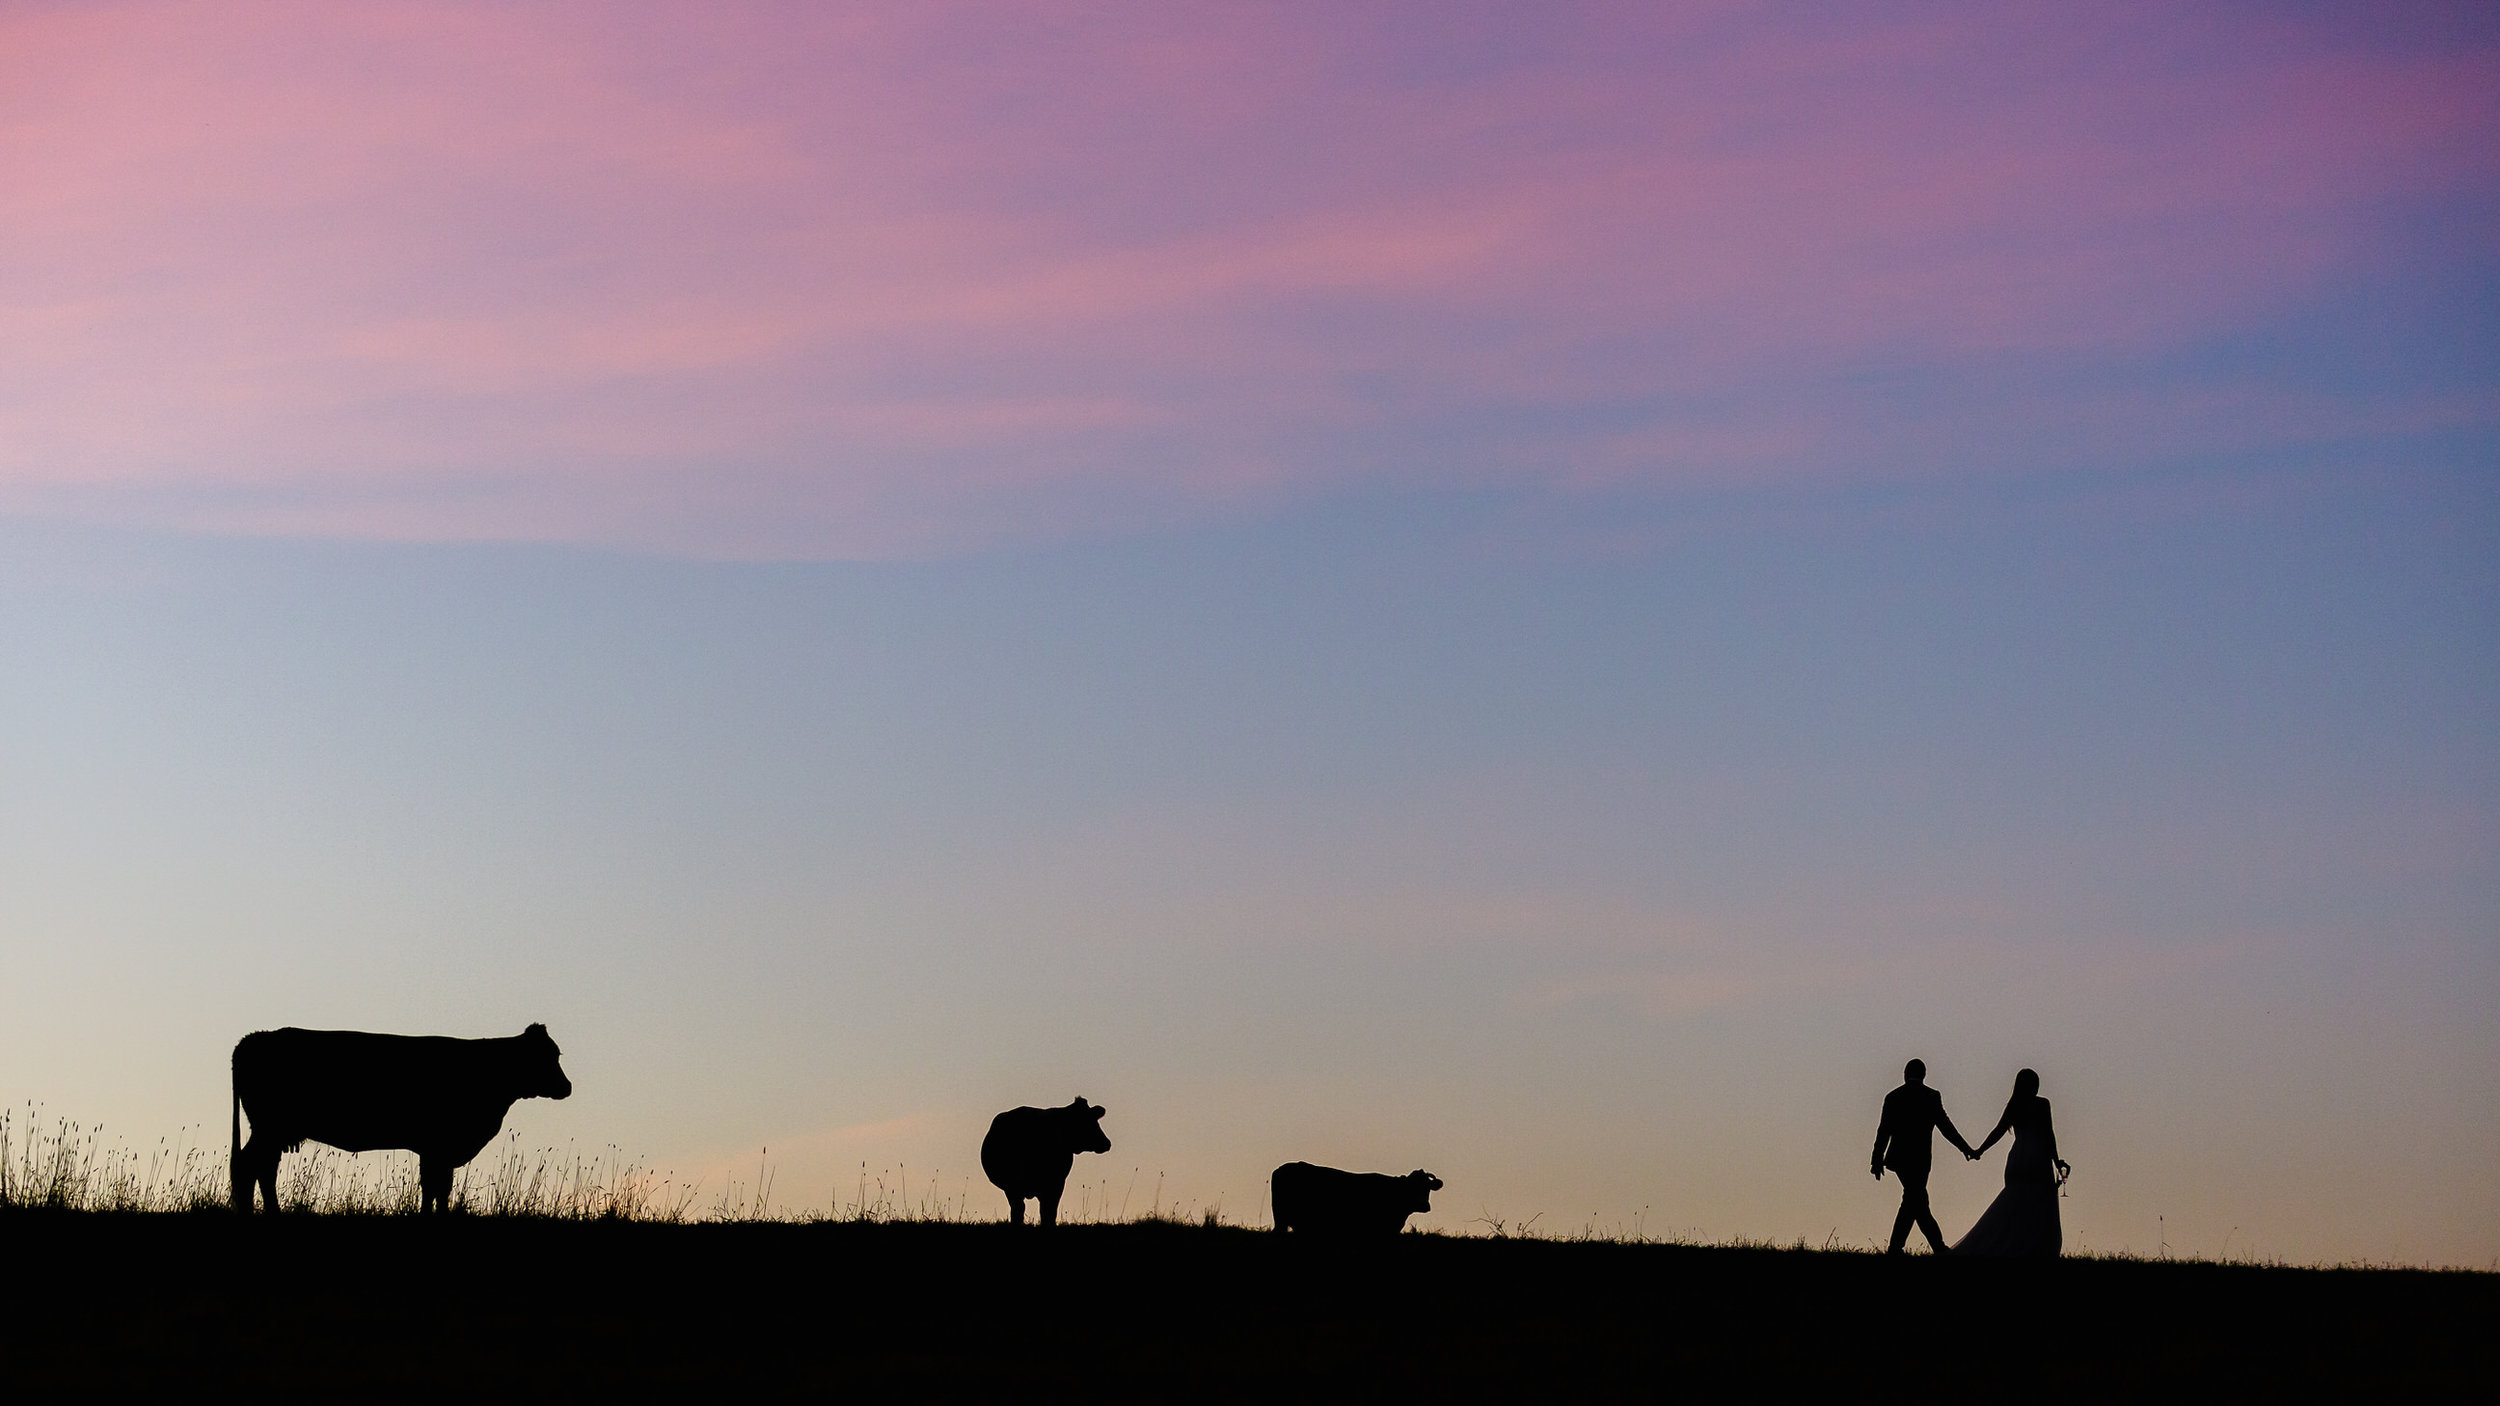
pixel 1902 1143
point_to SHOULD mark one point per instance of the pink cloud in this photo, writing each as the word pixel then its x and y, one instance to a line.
pixel 763 280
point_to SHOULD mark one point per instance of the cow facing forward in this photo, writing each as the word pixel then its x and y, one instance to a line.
pixel 441 1098
pixel 1029 1150
pixel 1325 1201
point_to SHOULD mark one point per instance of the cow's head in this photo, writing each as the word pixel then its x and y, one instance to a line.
pixel 1084 1125
pixel 1423 1184
pixel 540 1074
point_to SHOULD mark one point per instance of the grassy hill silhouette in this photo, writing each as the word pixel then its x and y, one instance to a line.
pixel 397 1306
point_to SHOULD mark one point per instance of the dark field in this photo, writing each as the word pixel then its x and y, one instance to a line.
pixel 400 1307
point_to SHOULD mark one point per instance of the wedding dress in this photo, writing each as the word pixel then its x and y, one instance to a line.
pixel 2022 1222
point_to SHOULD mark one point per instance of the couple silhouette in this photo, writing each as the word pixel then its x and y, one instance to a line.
pixel 2022 1222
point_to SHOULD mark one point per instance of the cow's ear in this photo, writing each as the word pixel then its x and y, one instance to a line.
pixel 1096 1112
pixel 535 1029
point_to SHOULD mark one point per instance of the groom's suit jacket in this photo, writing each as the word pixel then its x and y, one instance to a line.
pixel 1904 1140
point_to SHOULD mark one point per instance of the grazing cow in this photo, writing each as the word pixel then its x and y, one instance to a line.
pixel 1029 1151
pixel 1325 1201
pixel 441 1098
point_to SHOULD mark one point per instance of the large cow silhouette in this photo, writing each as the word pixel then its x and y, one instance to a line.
pixel 1029 1150
pixel 1325 1201
pixel 441 1098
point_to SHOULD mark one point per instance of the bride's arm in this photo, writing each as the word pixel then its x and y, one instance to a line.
pixel 1999 1131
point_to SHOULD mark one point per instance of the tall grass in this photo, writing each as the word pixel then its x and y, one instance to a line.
pixel 61 1165
pixel 58 1164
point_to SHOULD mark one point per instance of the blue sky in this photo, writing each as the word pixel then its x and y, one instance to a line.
pixel 1601 880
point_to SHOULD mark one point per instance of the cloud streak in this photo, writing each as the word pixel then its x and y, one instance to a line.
pixel 780 281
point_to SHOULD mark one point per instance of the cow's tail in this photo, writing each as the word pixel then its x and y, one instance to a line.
pixel 238 1183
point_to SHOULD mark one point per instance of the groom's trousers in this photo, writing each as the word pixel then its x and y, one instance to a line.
pixel 1914 1210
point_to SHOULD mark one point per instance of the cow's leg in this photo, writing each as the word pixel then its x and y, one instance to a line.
pixel 265 1169
pixel 1015 1209
pixel 239 1177
pixel 434 1183
pixel 1050 1204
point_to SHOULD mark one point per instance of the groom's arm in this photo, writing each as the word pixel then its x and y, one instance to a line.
pixel 1952 1134
pixel 1883 1134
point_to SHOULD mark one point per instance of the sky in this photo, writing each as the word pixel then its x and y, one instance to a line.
pixel 1542 592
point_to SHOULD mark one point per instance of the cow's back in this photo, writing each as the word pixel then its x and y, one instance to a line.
pixel 1020 1154
pixel 1307 1197
pixel 358 1090
pixel 1325 1200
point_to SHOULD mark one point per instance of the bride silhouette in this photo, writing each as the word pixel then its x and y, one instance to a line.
pixel 2022 1222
